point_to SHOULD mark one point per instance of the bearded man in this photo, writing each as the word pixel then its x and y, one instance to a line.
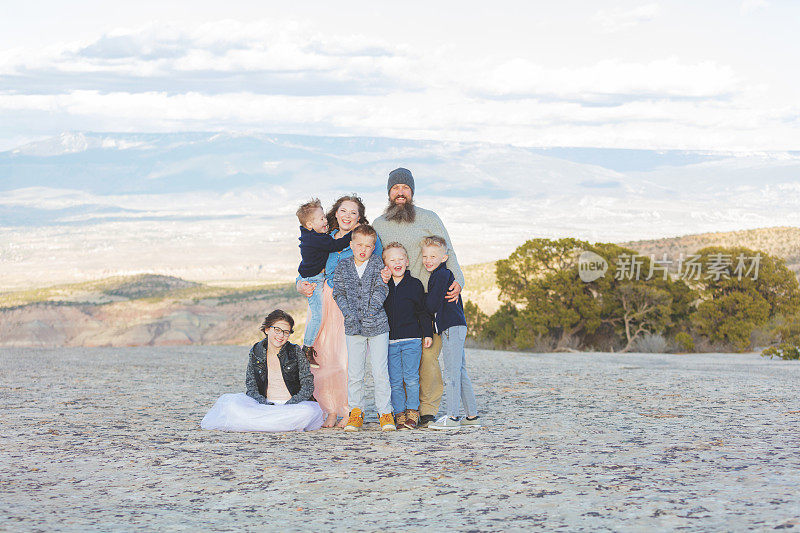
pixel 408 224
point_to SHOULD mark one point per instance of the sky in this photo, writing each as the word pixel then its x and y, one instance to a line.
pixel 716 75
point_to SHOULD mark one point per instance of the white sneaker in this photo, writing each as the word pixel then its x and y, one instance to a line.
pixel 445 423
pixel 467 423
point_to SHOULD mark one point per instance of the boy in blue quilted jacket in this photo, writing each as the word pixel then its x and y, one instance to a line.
pixel 451 324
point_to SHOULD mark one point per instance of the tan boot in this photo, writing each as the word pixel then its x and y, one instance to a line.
pixel 386 421
pixel 355 420
pixel 412 418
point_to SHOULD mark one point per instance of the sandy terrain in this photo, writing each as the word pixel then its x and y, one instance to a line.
pixel 109 439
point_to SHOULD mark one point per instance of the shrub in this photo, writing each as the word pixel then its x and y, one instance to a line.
pixel 651 343
pixel 785 350
pixel 788 347
pixel 544 344
pixel 684 341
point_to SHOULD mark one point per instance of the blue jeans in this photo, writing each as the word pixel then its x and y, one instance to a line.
pixel 314 319
pixel 404 360
pixel 457 386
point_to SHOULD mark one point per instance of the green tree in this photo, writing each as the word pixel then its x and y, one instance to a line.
pixel 541 277
pixel 733 304
pixel 731 318
pixel 476 319
pixel 500 328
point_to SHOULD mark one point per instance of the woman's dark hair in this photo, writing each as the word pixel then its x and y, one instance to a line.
pixel 362 217
pixel 275 316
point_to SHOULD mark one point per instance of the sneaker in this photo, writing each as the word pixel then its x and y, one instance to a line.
pixel 400 420
pixel 311 355
pixel 471 422
pixel 412 419
pixel 425 420
pixel 387 422
pixel 355 421
pixel 445 423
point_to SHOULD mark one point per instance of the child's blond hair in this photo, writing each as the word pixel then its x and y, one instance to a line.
pixel 305 211
pixel 434 240
pixel 394 245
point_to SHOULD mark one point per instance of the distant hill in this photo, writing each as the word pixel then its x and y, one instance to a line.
pixel 142 310
pixel 481 286
pixel 782 242
pixel 153 309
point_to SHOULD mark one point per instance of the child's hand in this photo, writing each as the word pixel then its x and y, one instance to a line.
pixel 427 342
pixel 351 229
pixel 305 288
pixel 386 274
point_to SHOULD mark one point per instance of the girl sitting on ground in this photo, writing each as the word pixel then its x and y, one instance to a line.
pixel 279 383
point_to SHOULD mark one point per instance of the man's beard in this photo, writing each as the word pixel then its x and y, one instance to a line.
pixel 404 212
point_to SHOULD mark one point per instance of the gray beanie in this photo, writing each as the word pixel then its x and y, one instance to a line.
pixel 400 175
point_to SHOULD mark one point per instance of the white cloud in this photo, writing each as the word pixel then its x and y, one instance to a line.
pixel 270 75
pixel 659 78
pixel 619 19
pixel 640 123
pixel 749 6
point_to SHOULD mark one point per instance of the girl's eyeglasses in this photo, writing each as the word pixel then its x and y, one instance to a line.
pixel 281 332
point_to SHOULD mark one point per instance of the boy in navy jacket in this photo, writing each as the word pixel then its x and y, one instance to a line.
pixel 315 245
pixel 410 328
pixel 452 326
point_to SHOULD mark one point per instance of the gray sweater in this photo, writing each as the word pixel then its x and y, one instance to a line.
pixel 426 224
pixel 361 298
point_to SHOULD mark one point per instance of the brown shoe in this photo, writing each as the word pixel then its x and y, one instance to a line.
pixel 400 420
pixel 412 418
pixel 311 355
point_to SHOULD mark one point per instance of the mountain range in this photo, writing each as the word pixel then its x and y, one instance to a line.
pixel 219 207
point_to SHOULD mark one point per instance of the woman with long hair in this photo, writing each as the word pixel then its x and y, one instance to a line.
pixel 331 376
pixel 279 383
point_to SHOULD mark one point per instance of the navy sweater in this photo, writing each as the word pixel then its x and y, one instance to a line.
pixel 446 314
pixel 314 250
pixel 405 307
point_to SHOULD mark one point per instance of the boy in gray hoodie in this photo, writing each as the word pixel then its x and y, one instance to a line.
pixel 359 291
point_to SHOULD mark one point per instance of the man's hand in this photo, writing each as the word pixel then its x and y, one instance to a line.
pixel 453 292
pixel 305 288
pixel 427 342
pixel 386 274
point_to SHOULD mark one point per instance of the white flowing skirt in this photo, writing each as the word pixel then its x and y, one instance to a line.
pixel 240 412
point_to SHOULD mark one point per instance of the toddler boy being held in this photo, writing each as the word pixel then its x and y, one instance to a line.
pixel 315 245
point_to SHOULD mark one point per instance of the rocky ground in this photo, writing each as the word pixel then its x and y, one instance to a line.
pixel 109 439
